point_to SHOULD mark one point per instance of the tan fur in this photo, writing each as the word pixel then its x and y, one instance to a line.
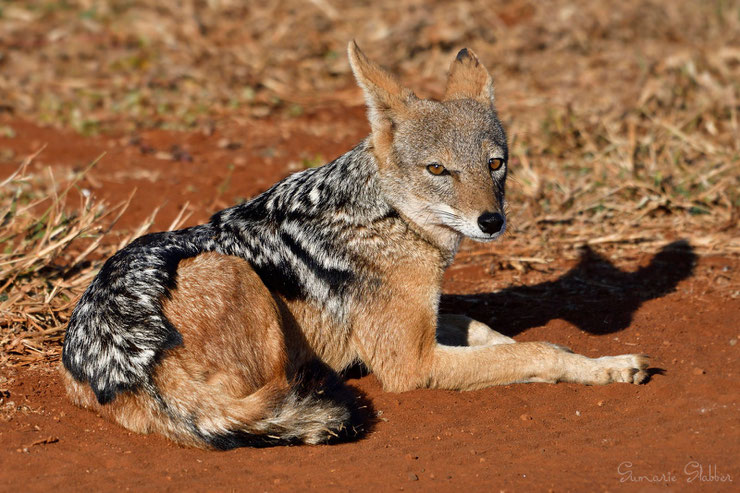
pixel 242 344
pixel 232 363
pixel 231 368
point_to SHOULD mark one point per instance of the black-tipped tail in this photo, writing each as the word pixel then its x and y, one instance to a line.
pixel 319 408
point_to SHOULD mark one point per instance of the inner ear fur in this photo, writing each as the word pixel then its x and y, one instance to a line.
pixel 387 100
pixel 469 79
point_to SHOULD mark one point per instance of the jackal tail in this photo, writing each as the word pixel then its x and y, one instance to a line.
pixel 315 407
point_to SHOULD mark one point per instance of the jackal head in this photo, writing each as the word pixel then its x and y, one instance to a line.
pixel 442 164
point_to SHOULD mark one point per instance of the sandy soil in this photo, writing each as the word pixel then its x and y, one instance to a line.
pixel 682 309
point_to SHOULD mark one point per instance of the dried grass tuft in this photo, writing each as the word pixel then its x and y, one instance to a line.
pixel 49 252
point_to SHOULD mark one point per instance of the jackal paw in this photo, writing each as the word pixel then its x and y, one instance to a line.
pixel 625 368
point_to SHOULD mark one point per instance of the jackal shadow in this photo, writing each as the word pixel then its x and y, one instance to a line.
pixel 594 295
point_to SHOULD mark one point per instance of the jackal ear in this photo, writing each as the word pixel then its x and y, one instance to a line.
pixel 387 100
pixel 469 79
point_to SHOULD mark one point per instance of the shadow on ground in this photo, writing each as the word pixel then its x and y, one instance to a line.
pixel 595 296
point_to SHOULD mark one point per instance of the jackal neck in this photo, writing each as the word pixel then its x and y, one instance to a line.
pixel 319 234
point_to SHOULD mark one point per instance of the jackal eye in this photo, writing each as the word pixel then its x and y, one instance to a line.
pixel 495 163
pixel 437 169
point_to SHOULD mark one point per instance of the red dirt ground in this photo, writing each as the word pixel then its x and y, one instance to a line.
pixel 681 309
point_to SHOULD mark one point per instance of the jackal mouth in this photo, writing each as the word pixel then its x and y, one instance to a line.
pixel 474 231
pixel 488 227
pixel 485 238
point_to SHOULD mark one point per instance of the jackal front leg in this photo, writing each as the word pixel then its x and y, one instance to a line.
pixel 468 368
pixel 407 356
pixel 533 362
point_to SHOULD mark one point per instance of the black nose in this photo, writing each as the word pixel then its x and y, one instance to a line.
pixel 490 222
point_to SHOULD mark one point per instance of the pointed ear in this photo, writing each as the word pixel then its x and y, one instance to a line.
pixel 382 90
pixel 469 79
pixel 387 101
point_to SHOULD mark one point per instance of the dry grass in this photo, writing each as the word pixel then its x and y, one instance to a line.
pixel 623 116
pixel 50 251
